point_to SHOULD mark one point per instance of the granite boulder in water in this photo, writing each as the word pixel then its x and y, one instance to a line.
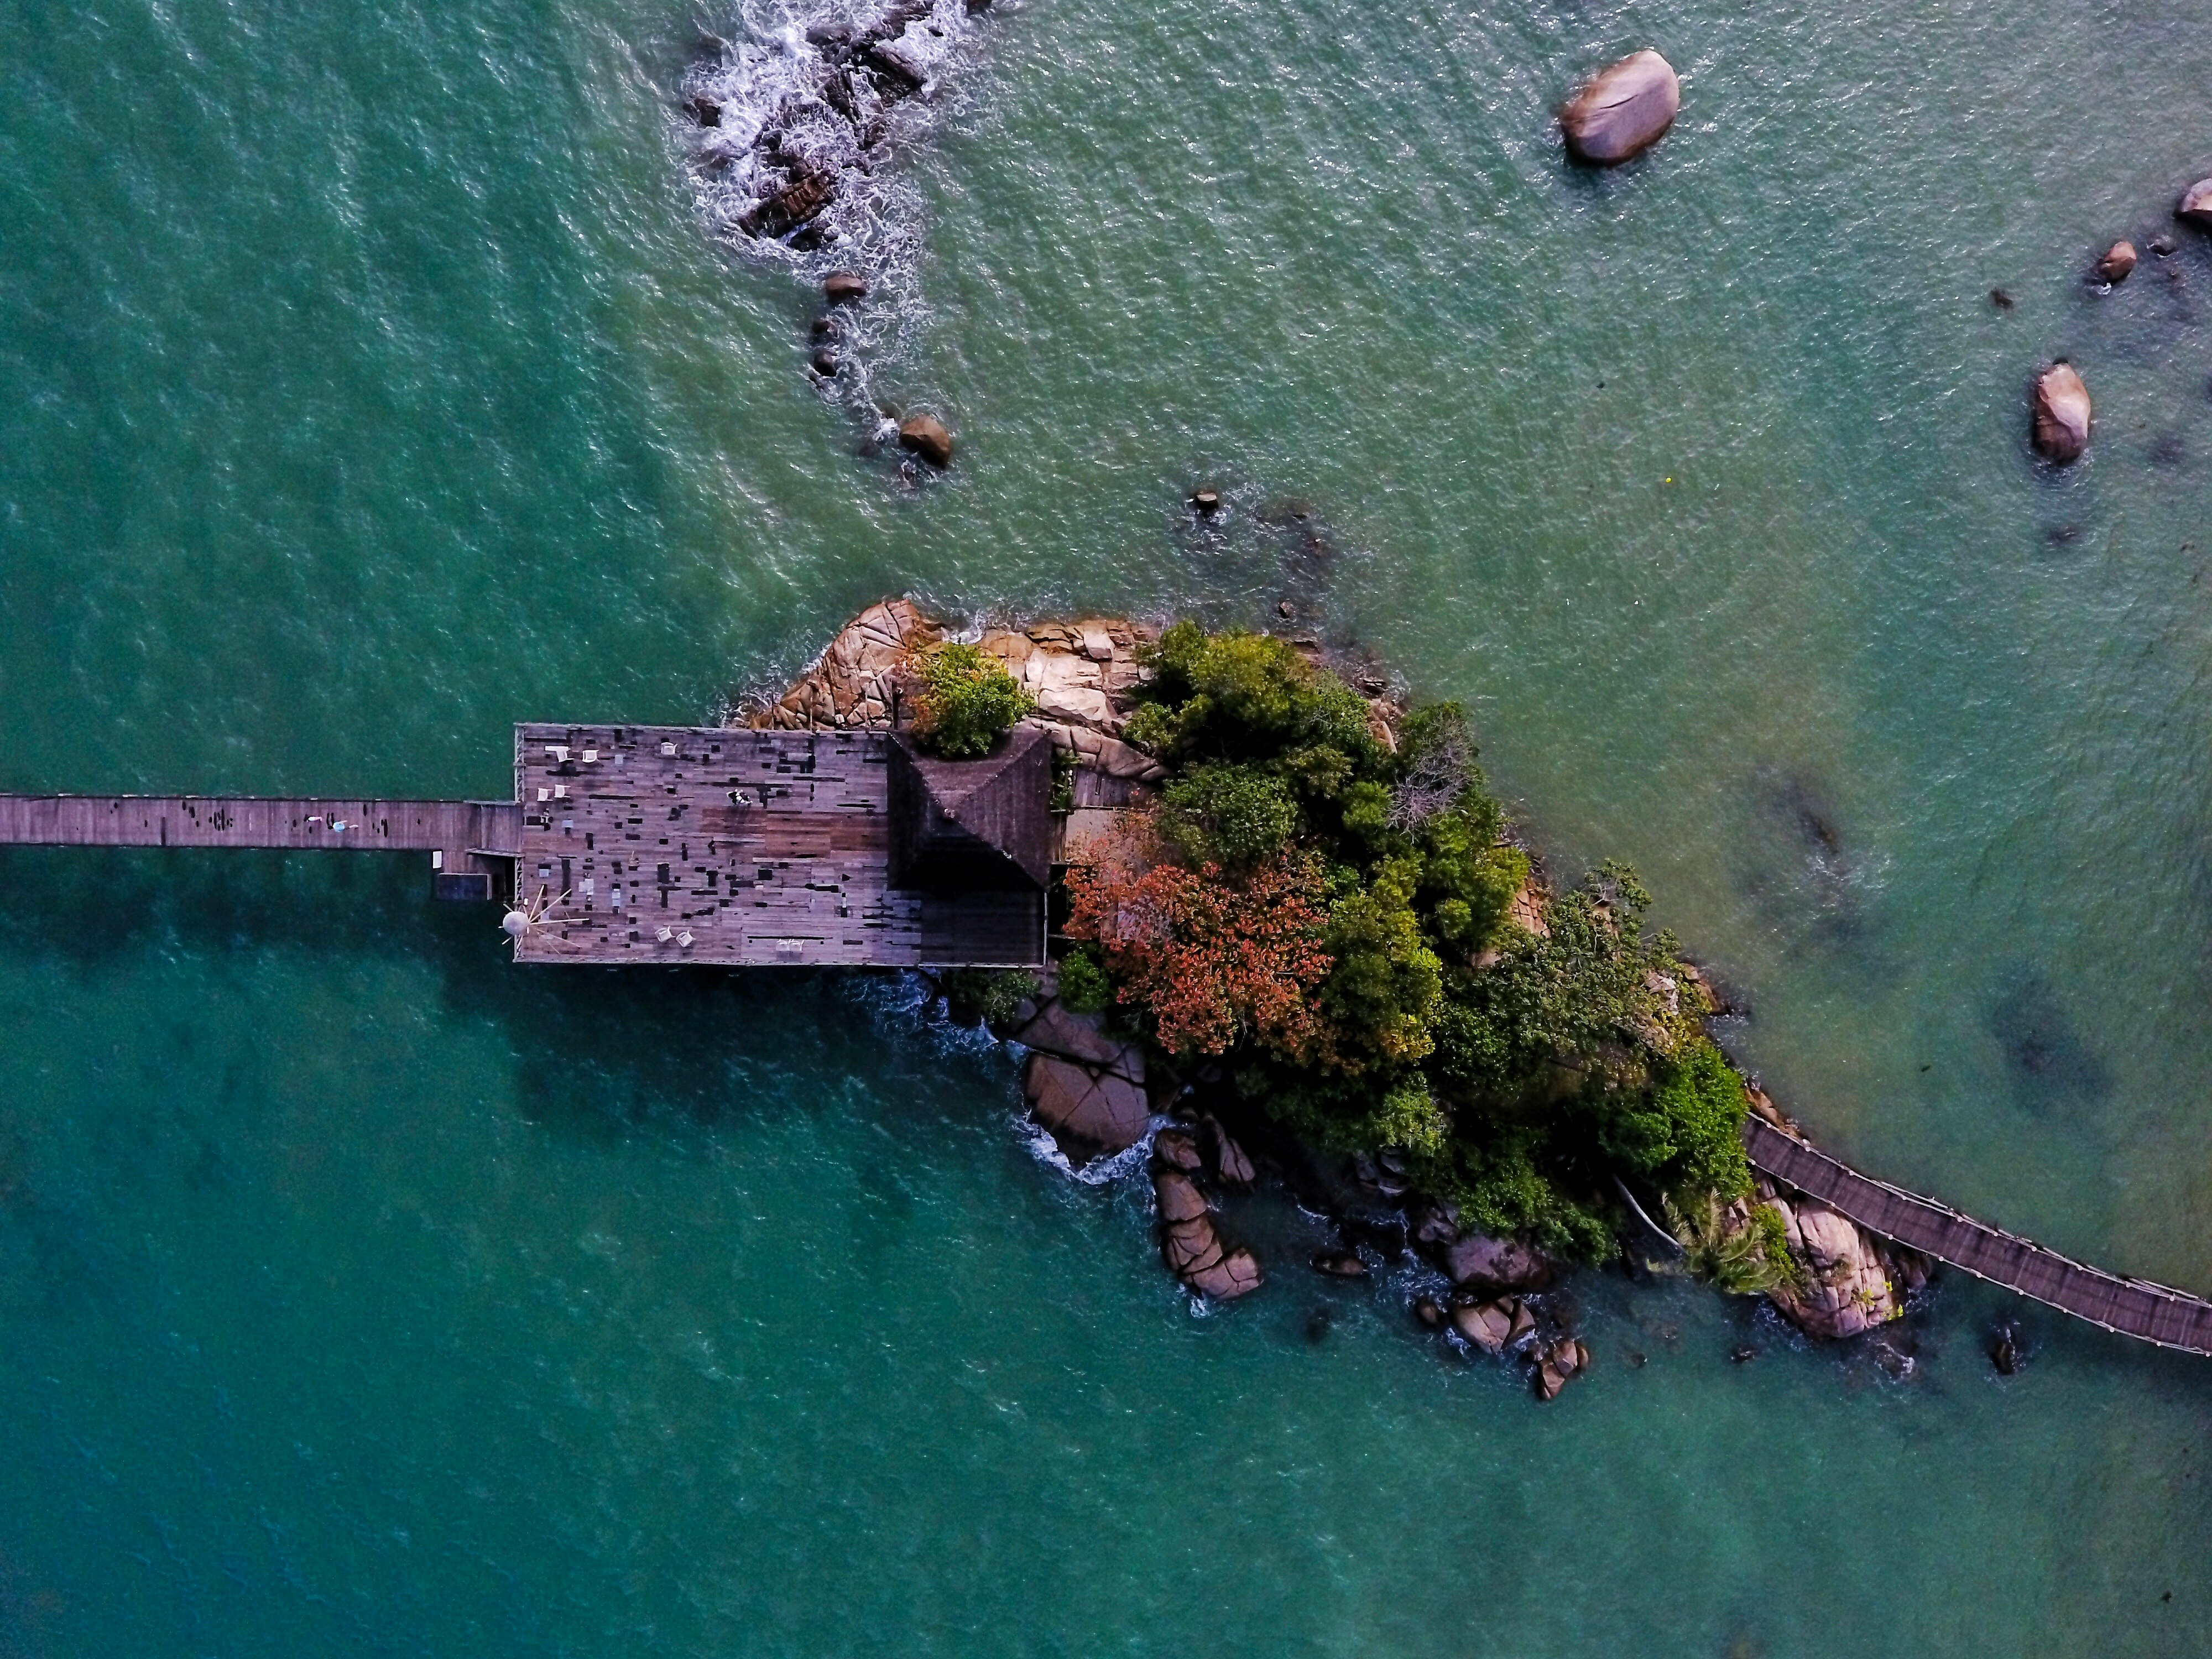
pixel 1622 110
pixel 2062 414
pixel 2196 204
pixel 2117 261
pixel 925 435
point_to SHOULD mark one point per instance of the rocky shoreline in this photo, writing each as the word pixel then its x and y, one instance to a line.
pixel 1099 1093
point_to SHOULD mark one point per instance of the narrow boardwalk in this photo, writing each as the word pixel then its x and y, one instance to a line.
pixel 455 827
pixel 2133 1307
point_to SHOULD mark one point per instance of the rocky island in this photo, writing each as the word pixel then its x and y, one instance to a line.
pixel 1300 942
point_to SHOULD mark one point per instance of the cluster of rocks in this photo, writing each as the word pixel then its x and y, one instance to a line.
pixel 1495 1306
pixel 828 125
pixel 2059 409
pixel 1088 1088
pixel 791 140
pixel 1081 674
pixel 1189 1243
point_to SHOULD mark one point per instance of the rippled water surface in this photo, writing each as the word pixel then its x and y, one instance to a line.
pixel 368 380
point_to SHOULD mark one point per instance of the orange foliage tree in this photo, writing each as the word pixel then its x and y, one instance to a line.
pixel 1215 959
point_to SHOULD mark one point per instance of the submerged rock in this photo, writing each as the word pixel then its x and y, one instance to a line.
pixel 925 435
pixel 1622 110
pixel 2062 414
pixel 843 287
pixel 2196 204
pixel 2117 261
pixel 1338 1264
pixel 2005 1353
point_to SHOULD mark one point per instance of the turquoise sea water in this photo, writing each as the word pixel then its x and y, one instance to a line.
pixel 367 382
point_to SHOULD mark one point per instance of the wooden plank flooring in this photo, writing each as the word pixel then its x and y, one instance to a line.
pixel 2133 1307
pixel 708 845
pixel 457 829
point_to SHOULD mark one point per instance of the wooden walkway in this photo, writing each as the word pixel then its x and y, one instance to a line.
pixel 2133 1307
pixel 457 829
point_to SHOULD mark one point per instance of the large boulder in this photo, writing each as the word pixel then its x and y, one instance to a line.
pixel 1094 1109
pixel 925 435
pixel 1558 1364
pixel 2117 261
pixel 2062 414
pixel 1496 1264
pixel 1057 1029
pixel 1852 1282
pixel 2196 204
pixel 1493 1327
pixel 1622 110
pixel 1190 1247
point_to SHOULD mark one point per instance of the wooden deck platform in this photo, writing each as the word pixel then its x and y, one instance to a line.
pixel 2133 1307
pixel 734 846
pixel 457 829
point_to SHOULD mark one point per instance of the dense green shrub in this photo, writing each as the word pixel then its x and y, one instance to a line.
pixel 1685 1135
pixel 1381 991
pixel 967 702
pixel 1228 813
pixel 986 996
pixel 1244 696
pixel 1084 984
pixel 1520 1072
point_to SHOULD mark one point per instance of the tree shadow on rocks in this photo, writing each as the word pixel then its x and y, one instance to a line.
pixel 2052 1071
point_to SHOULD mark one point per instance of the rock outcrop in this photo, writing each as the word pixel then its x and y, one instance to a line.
pixel 1084 1085
pixel 1622 110
pixel 2196 204
pixel 2117 262
pixel 2061 416
pixel 926 436
pixel 1493 1327
pixel 1853 1281
pixel 1558 1364
pixel 1088 1109
pixel 1190 1246
pixel 1495 1264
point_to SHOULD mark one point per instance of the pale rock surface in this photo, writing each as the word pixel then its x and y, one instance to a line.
pixel 1622 110
pixel 1096 1108
pixel 2062 414
pixel 1852 1281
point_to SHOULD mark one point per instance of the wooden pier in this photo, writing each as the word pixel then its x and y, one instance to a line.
pixel 460 835
pixel 680 844
pixel 2132 1307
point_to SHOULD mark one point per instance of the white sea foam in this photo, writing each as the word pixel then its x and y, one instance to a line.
pixel 784 96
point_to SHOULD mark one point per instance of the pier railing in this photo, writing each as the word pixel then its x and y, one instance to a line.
pixel 2133 1307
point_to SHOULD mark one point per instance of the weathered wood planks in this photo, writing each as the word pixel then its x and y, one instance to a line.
pixel 739 847
pixel 456 829
pixel 2133 1307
